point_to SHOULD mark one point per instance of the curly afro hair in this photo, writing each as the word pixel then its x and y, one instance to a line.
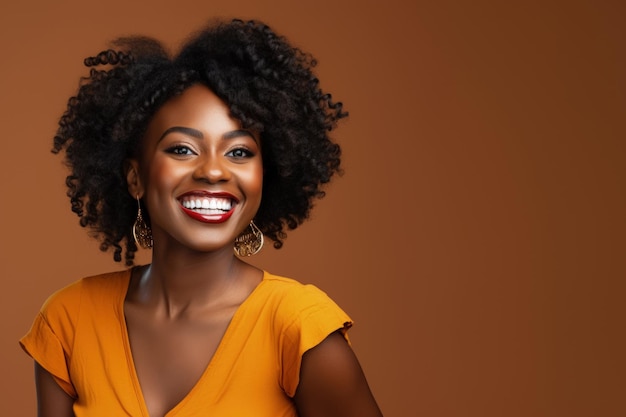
pixel 268 86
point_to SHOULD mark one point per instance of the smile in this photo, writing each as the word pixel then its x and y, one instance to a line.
pixel 207 204
pixel 208 209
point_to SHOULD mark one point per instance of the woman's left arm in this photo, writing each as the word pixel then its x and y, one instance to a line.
pixel 332 383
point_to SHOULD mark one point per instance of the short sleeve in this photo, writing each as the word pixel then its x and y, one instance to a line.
pixel 313 316
pixel 51 335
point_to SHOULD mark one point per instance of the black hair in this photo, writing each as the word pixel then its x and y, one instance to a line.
pixel 268 86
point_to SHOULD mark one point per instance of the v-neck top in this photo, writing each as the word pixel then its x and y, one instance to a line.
pixel 80 337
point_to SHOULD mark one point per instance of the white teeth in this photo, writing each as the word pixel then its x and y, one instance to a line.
pixel 223 204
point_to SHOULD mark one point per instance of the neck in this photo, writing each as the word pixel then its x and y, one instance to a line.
pixel 180 282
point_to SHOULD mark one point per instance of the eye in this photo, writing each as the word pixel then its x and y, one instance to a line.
pixel 240 153
pixel 180 150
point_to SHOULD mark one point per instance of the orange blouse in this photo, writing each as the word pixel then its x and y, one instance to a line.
pixel 80 337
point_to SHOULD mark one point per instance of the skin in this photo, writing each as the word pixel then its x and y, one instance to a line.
pixel 178 308
pixel 52 401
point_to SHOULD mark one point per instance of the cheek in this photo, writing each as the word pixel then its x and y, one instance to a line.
pixel 253 179
pixel 258 178
pixel 162 177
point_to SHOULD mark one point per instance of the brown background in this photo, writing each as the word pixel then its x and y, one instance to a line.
pixel 478 235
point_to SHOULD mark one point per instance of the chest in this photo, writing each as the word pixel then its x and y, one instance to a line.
pixel 171 356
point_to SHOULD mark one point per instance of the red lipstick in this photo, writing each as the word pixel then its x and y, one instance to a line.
pixel 196 213
pixel 208 218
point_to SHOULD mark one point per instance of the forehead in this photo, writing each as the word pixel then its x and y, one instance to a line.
pixel 196 107
pixel 195 100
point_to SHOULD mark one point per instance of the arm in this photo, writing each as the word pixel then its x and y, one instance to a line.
pixel 52 401
pixel 332 383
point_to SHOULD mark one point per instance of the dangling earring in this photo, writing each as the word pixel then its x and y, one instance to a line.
pixel 141 231
pixel 249 242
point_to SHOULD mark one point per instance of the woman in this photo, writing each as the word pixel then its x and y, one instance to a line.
pixel 194 156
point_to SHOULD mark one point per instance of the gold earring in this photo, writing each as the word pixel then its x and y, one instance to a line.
pixel 249 242
pixel 141 231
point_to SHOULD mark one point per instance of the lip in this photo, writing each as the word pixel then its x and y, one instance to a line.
pixel 208 218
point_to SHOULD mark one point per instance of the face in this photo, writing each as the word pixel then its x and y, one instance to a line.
pixel 199 173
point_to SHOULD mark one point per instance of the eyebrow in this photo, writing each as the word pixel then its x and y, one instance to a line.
pixel 186 130
pixel 198 135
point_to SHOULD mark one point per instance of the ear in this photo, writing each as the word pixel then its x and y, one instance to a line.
pixel 133 179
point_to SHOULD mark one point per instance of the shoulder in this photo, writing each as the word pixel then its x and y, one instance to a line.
pixel 304 316
pixel 292 295
pixel 52 336
pixel 68 300
pixel 303 309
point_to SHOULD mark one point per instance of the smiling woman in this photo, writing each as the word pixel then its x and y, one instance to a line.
pixel 197 156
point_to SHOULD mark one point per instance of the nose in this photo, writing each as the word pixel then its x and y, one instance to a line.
pixel 212 169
